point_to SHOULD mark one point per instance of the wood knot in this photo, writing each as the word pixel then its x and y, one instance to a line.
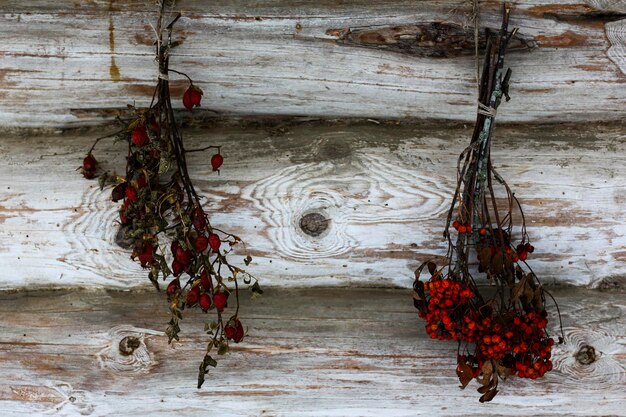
pixel 314 224
pixel 586 355
pixel 127 353
pixel 128 345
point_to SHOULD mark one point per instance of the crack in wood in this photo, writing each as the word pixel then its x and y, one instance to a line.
pixel 431 39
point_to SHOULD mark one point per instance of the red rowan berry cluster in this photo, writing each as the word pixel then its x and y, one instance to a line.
pixel 160 207
pixel 502 332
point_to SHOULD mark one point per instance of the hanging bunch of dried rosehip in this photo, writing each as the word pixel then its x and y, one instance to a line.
pixel 501 332
pixel 160 208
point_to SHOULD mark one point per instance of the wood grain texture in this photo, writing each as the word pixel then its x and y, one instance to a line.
pixel 309 352
pixel 384 190
pixel 69 63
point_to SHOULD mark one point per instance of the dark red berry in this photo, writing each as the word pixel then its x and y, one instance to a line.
pixel 177 268
pixel 119 192
pixel 214 242
pixel 146 257
pixel 198 218
pixel 140 136
pixel 174 246
pixel 529 248
pixel 193 295
pixel 201 243
pixel 172 287
pixel 220 299
pixel 216 161
pixel 131 194
pixel 204 301
pixel 205 281
pixel 90 166
pixel 192 97
pixel 183 256
pixel 234 330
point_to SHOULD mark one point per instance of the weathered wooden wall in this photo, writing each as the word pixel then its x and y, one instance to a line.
pixel 67 62
pixel 384 190
pixel 309 352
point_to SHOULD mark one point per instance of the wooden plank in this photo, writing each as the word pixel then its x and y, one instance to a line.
pixel 384 189
pixel 309 352
pixel 70 63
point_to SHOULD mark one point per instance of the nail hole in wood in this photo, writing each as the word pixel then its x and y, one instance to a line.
pixel 128 345
pixel 314 224
pixel 586 355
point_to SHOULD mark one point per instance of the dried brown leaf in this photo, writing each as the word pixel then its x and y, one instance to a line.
pixel 488 396
pixel 464 372
pixel 496 263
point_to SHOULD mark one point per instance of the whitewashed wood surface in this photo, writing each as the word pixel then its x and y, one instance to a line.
pixel 76 62
pixel 384 188
pixel 309 352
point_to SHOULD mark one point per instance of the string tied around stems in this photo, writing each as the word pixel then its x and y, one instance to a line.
pixel 486 110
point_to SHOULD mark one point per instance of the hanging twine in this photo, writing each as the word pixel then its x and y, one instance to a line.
pixel 486 110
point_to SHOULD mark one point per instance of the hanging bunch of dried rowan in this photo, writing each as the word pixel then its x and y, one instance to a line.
pixel 502 332
pixel 160 208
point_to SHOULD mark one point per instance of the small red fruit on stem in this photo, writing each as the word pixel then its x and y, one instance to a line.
pixel 234 330
pixel 140 136
pixel 205 281
pixel 193 295
pixel 201 243
pixel 192 97
pixel 172 287
pixel 204 301
pixel 216 161
pixel 199 219
pixel 220 299
pixel 90 166
pixel 131 194
pixel 214 242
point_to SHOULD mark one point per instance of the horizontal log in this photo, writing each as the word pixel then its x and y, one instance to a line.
pixel 321 203
pixel 71 63
pixel 322 352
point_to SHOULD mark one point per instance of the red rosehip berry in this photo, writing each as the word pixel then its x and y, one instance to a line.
pixel 220 300
pixel 90 166
pixel 183 256
pixel 214 242
pixel 456 224
pixel 198 218
pixel 216 161
pixel 468 228
pixel 177 268
pixel 131 194
pixel 193 295
pixel 523 255
pixel 204 302
pixel 234 330
pixel 462 228
pixel 205 280
pixel 146 257
pixel 119 192
pixel 483 231
pixel 140 136
pixel 173 287
pixel 192 97
pixel 201 243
